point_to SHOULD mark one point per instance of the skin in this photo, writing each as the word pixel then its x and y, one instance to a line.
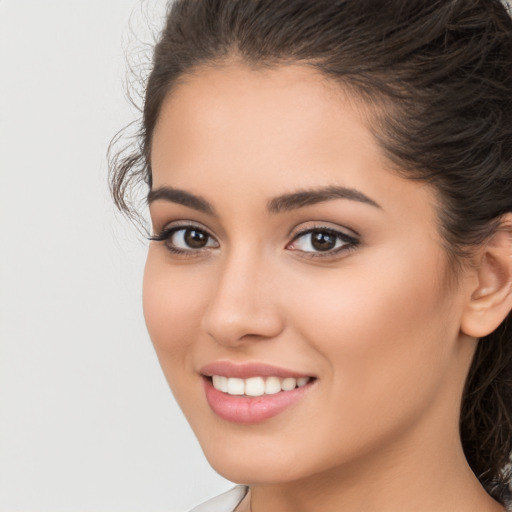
pixel 378 324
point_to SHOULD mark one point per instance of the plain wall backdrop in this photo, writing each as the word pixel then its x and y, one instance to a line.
pixel 87 422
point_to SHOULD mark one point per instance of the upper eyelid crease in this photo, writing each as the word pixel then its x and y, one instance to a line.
pixel 332 231
pixel 283 203
pixel 320 226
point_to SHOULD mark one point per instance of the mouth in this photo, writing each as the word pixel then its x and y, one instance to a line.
pixel 252 393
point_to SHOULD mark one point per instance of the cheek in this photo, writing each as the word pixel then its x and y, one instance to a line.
pixel 172 310
pixel 383 326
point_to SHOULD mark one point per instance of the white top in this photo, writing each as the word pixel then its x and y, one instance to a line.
pixel 226 502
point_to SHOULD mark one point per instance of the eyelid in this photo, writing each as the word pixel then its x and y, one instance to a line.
pixel 169 230
pixel 351 240
pixel 179 224
pixel 306 227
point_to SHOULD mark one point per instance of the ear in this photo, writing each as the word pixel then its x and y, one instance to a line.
pixel 490 300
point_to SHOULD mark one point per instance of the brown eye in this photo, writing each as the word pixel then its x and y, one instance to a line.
pixel 195 238
pixel 186 239
pixel 322 241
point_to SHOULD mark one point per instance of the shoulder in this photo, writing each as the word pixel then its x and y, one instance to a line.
pixel 226 502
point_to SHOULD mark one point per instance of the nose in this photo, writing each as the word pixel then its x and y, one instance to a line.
pixel 243 307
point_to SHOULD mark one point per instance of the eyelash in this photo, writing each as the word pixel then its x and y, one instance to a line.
pixel 349 242
pixel 167 233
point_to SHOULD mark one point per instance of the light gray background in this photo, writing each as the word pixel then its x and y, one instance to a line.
pixel 87 422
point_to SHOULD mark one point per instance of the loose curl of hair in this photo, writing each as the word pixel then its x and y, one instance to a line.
pixel 439 74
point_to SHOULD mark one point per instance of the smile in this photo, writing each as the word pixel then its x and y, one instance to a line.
pixel 253 392
pixel 257 386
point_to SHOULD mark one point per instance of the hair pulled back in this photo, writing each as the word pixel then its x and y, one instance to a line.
pixel 439 74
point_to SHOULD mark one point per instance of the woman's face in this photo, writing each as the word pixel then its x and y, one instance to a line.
pixel 295 267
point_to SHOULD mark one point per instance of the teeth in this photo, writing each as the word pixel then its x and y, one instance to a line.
pixel 288 384
pixel 220 382
pixel 257 386
pixel 254 386
pixel 236 386
pixel 272 386
pixel 302 381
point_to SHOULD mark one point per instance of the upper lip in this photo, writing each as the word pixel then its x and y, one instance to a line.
pixel 247 370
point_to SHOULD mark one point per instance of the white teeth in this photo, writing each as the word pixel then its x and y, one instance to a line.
pixel 257 386
pixel 236 386
pixel 302 381
pixel 220 382
pixel 288 384
pixel 272 385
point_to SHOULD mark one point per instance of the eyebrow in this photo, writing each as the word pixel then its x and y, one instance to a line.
pixel 282 203
pixel 309 197
pixel 175 195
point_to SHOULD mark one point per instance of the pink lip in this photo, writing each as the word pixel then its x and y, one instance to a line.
pixel 245 409
pixel 247 370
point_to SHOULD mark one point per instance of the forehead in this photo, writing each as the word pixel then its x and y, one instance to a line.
pixel 278 116
pixel 252 134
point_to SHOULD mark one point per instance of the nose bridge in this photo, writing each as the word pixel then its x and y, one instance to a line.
pixel 242 305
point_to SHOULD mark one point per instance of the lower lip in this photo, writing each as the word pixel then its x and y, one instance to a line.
pixel 245 409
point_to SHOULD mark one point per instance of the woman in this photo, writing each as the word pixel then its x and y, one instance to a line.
pixel 329 281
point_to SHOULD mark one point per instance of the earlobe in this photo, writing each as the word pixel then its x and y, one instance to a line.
pixel 490 301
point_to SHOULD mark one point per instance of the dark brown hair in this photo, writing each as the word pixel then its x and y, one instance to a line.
pixel 440 72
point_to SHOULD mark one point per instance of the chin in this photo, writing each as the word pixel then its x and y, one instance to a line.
pixel 258 459
pixel 253 472
pixel 249 460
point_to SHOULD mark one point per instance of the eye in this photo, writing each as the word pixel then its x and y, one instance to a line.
pixel 322 242
pixel 190 238
pixel 185 239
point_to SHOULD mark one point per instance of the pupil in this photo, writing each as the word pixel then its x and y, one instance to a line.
pixel 322 241
pixel 195 239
